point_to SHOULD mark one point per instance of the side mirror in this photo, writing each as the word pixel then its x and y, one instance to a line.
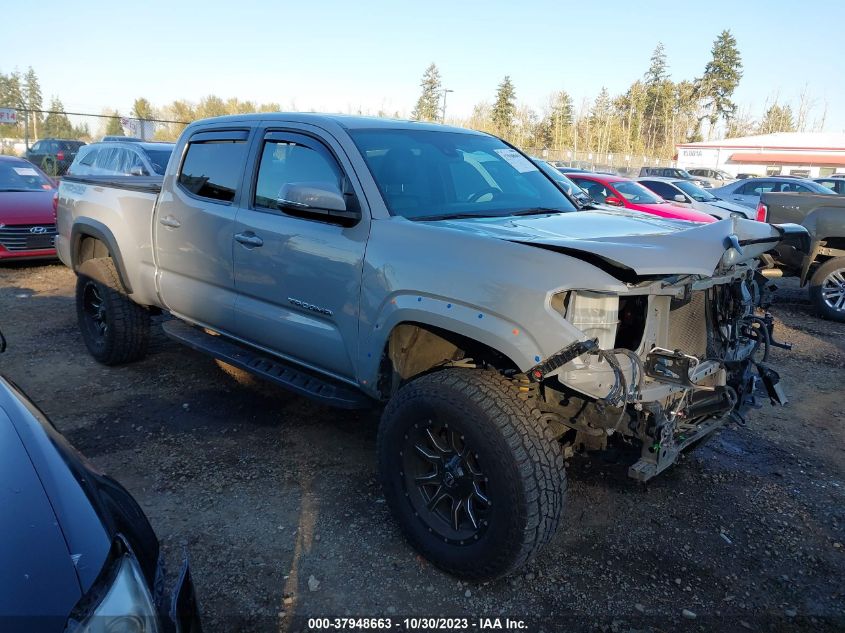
pixel 680 198
pixel 613 201
pixel 319 201
pixel 137 170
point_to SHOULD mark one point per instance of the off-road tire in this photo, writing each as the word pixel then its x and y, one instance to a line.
pixel 823 272
pixel 516 450
pixel 126 334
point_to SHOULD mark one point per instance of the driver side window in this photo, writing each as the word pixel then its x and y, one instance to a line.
pixel 287 162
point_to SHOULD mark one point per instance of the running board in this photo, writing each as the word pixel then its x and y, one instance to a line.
pixel 297 380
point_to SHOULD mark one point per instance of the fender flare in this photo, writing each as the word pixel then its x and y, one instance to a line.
pixel 86 227
pixel 492 330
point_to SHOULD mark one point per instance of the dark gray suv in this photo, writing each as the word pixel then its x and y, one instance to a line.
pixel 674 172
pixel 53 155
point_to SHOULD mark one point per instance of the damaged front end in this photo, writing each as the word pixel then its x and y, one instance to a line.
pixel 664 364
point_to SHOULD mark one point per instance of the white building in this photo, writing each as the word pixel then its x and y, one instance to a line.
pixel 810 154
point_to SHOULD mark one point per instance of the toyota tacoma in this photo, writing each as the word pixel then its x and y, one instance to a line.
pixel 436 272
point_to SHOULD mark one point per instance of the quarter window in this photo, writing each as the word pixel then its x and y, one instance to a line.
pixel 285 162
pixel 212 169
pixel 89 157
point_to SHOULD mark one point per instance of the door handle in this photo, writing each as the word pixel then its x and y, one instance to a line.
pixel 170 221
pixel 249 239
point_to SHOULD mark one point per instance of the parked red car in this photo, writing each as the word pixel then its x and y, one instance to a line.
pixel 27 211
pixel 624 192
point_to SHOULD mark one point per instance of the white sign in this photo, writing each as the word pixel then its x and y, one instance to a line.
pixel 516 160
pixel 8 116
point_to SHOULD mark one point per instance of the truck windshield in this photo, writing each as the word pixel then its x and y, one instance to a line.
pixel 425 174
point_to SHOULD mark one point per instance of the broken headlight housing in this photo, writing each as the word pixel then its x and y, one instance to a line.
pixel 120 601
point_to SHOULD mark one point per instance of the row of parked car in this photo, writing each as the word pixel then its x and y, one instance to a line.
pixel 676 193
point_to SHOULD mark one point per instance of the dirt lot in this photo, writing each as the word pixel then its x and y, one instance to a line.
pixel 267 491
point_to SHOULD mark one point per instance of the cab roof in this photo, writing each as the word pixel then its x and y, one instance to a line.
pixel 348 122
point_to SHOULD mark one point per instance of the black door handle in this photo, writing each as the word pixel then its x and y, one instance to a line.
pixel 249 239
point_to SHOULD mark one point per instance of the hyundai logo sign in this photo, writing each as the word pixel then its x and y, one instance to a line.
pixel 38 230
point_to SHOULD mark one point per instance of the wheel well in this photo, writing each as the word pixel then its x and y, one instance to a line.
pixel 90 248
pixel 413 349
pixel 835 242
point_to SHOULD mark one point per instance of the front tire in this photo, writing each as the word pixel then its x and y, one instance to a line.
pixel 471 472
pixel 115 329
pixel 827 290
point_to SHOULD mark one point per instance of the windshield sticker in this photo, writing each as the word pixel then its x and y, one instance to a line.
pixel 516 160
pixel 25 171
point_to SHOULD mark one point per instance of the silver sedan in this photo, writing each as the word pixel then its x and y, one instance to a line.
pixel 688 194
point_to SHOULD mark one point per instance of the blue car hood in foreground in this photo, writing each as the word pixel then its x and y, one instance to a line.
pixel 646 245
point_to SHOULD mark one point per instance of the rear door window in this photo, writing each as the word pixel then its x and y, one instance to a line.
pixel 106 158
pixel 213 165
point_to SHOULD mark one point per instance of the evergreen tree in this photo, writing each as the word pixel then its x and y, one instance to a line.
pixel 658 69
pixel 555 129
pixel 777 119
pixel 428 105
pixel 721 77
pixel 56 124
pixel 504 108
pixel 113 126
pixel 11 96
pixel 659 100
pixel 34 100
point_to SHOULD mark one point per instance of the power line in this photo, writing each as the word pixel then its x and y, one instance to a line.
pixel 99 116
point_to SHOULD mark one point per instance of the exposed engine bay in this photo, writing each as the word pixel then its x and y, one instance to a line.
pixel 661 366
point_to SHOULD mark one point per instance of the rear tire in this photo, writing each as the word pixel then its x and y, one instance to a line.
pixel 827 290
pixel 115 329
pixel 465 437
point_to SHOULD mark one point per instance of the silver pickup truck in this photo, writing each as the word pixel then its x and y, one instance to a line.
pixel 438 272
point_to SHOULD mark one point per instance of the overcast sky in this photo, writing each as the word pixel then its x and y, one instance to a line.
pixel 341 56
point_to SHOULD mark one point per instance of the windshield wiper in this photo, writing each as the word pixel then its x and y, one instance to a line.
pixel 453 216
pixel 537 211
pixel 19 190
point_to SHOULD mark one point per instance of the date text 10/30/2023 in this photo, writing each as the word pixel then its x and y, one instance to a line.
pixel 417 623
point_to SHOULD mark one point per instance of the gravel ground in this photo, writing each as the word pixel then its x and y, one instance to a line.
pixel 276 502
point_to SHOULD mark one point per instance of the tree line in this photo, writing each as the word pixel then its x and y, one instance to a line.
pixel 649 118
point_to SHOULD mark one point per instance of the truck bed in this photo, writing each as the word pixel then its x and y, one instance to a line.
pixel 118 210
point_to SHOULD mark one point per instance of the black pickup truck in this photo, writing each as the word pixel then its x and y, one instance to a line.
pixel 824 266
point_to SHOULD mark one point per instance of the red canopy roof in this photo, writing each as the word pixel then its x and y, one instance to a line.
pixel 790 158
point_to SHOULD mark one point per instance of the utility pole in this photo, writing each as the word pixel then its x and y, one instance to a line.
pixel 443 115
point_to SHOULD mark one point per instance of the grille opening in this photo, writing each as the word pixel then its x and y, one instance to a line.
pixel 632 317
pixel 27 237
